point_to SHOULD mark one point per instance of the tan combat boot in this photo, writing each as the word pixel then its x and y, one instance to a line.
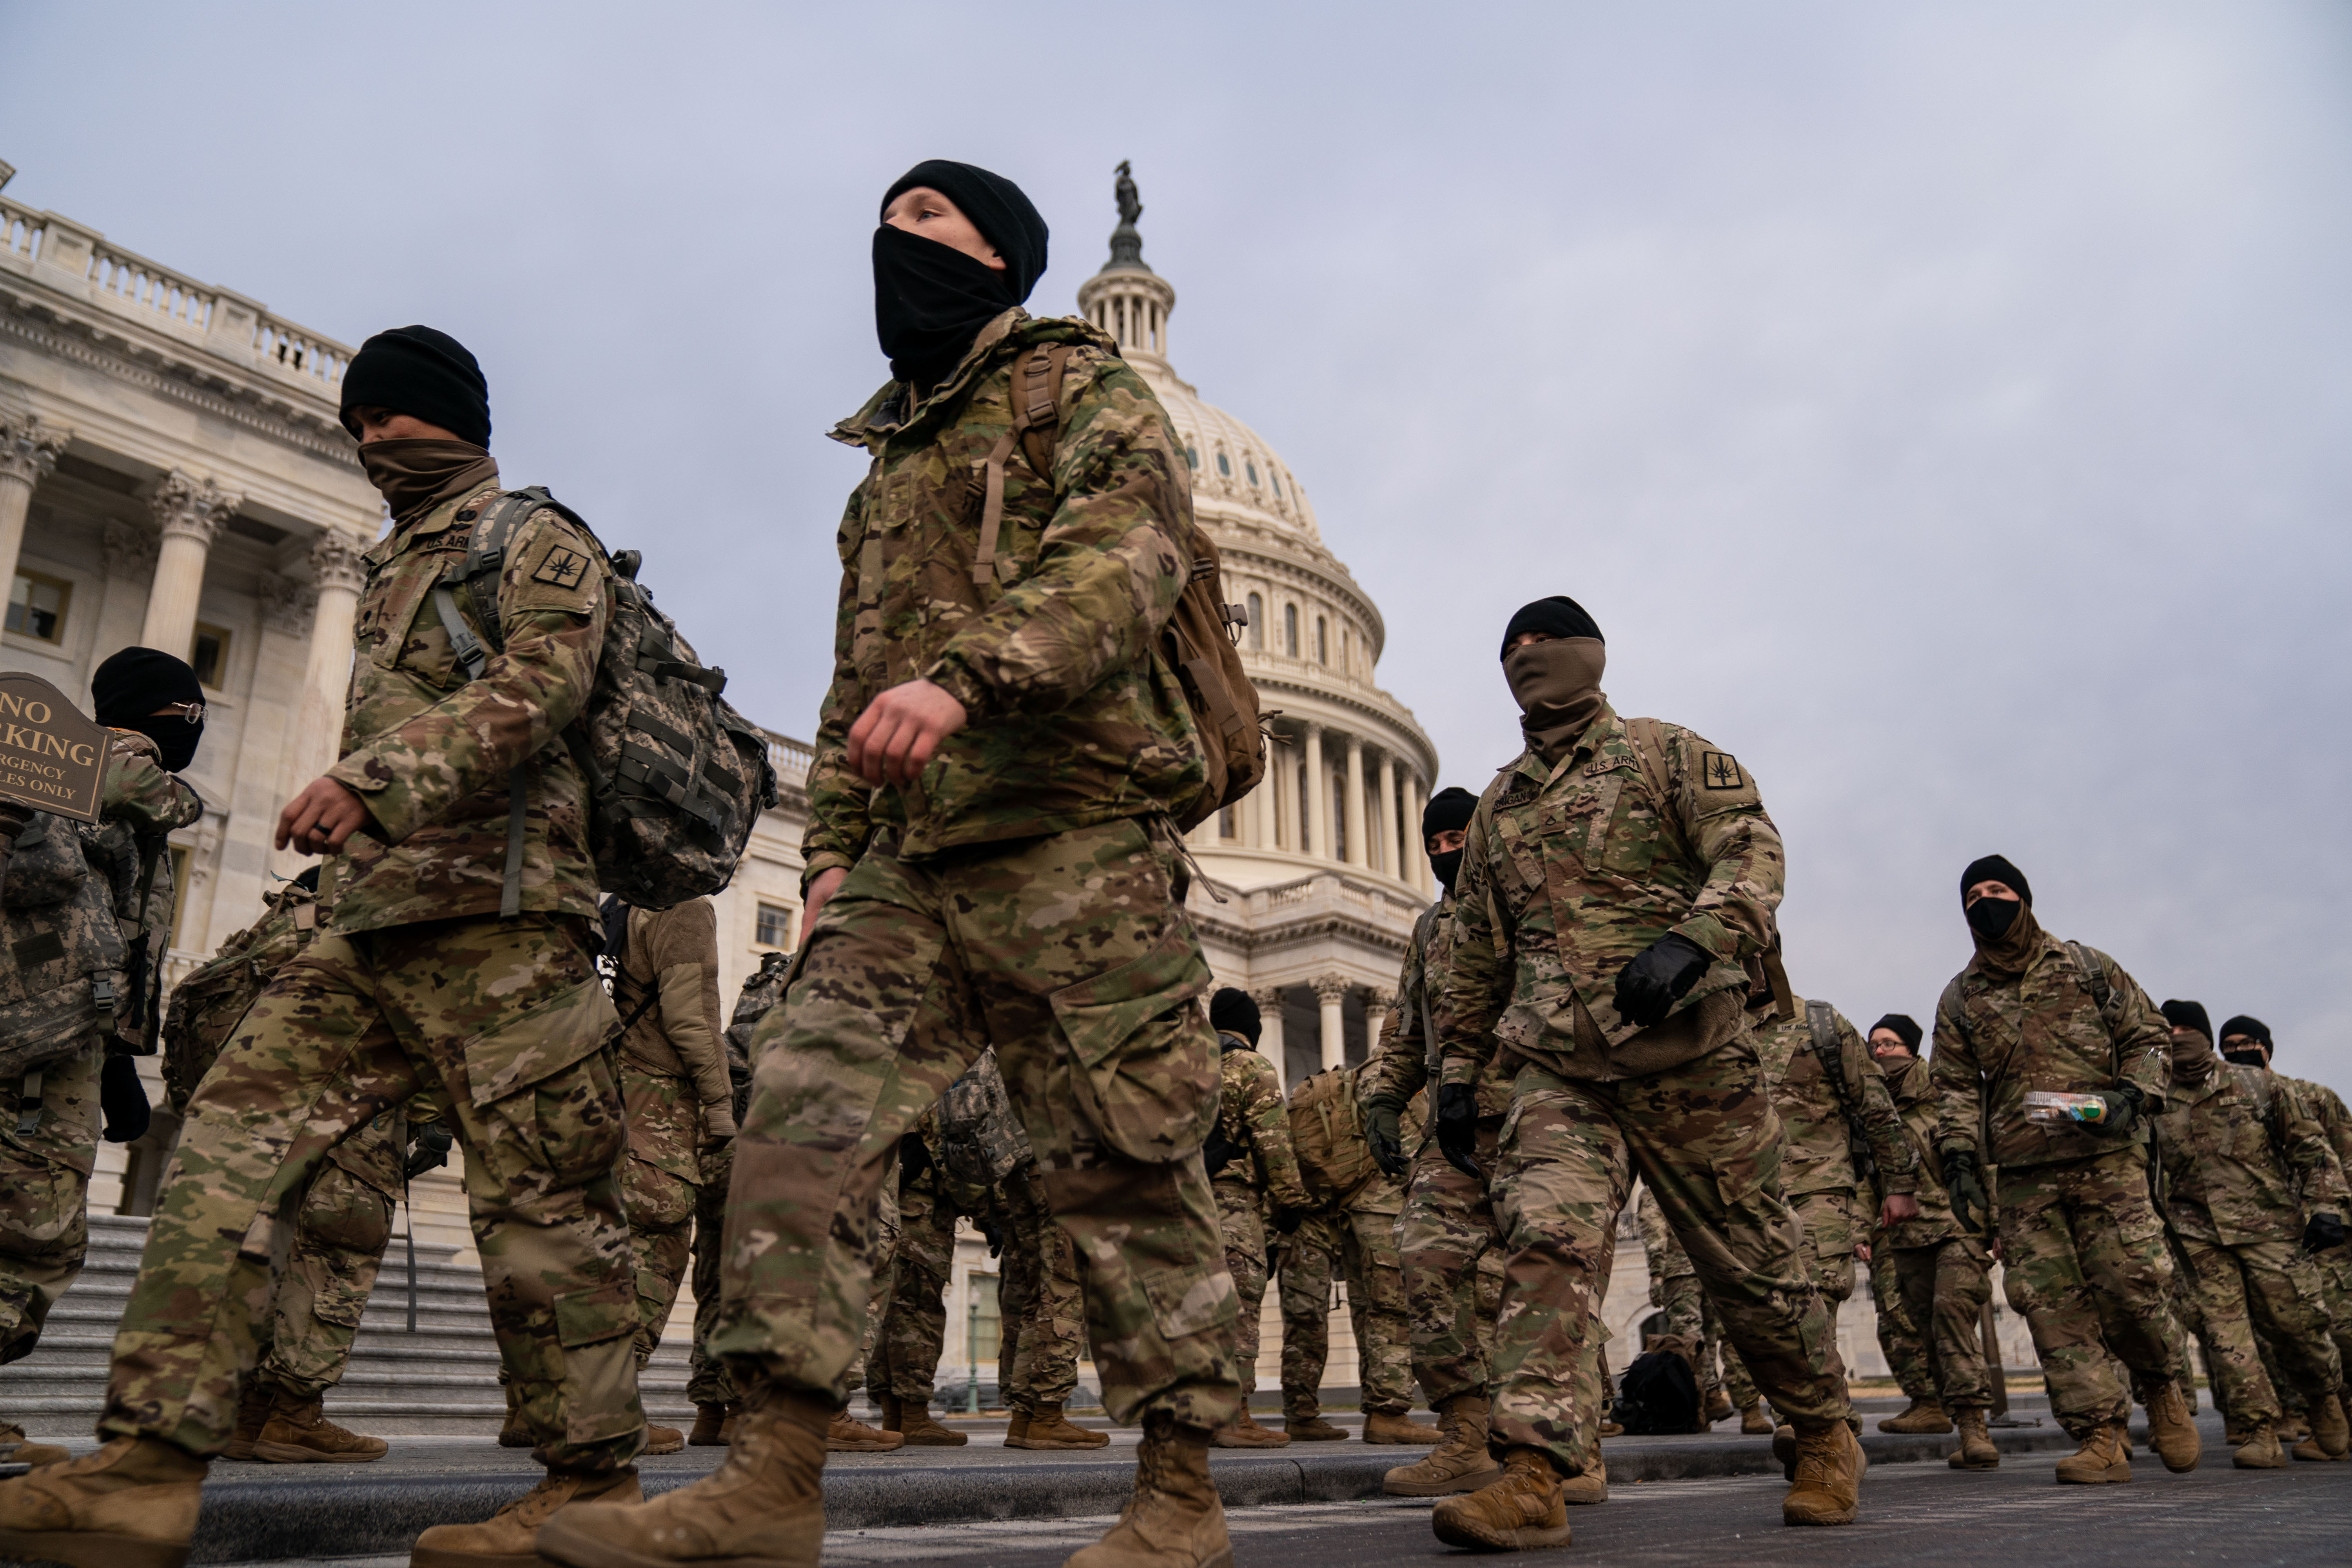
pixel 663 1440
pixel 1245 1432
pixel 299 1433
pixel 1926 1418
pixel 1753 1421
pixel 1718 1408
pixel 1461 1463
pixel 2330 1438
pixel 1049 1428
pixel 515 1432
pixel 912 1419
pixel 1830 1466
pixel 1976 1451
pixel 1016 1429
pixel 763 1507
pixel 2099 1461
pixel 1591 1487
pixel 848 1434
pixel 2172 1431
pixel 1399 1429
pixel 710 1421
pixel 132 1504
pixel 1174 1519
pixel 1304 1424
pixel 253 1407
pixel 1520 1512
pixel 2258 1449
pixel 509 1538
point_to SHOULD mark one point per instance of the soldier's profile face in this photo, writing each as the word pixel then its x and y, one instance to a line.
pixel 1447 840
pixel 1886 1045
pixel 924 211
pixel 1530 639
pixel 2243 1044
pixel 1989 889
pixel 376 424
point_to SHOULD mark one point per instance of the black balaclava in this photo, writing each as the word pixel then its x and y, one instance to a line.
pixel 2004 930
pixel 2192 1062
pixel 1448 811
pixel 129 687
pixel 1231 1012
pixel 2253 1029
pixel 1559 616
pixel 1903 1024
pixel 930 299
pixel 428 375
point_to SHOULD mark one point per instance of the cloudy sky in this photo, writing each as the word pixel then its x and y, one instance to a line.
pixel 1942 407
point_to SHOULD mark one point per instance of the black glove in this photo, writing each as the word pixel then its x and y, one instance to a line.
pixel 1385 1127
pixel 1964 1180
pixel 1220 1150
pixel 2325 1230
pixel 2122 1104
pixel 914 1157
pixel 994 1234
pixel 123 1099
pixel 1287 1221
pixel 1457 1128
pixel 428 1149
pixel 1660 976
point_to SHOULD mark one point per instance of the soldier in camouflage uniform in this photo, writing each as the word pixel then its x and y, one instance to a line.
pixel 1253 1170
pixel 2240 1157
pixel 708 1384
pixel 679 1100
pixel 1044 1325
pixel 904 1358
pixel 49 1117
pixel 992 859
pixel 2081 1241
pixel 1615 880
pixel 1938 1277
pixel 2325 1107
pixel 419 987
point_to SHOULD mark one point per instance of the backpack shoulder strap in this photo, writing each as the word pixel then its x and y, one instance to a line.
pixel 1036 398
pixel 2095 981
pixel 1651 747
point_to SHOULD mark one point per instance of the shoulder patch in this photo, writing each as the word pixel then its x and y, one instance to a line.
pixel 1720 770
pixel 564 566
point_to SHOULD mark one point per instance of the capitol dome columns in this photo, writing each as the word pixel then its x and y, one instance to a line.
pixel 190 512
pixel 1331 994
pixel 1319 795
pixel 1359 841
pixel 28 451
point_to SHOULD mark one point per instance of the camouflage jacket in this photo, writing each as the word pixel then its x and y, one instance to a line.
pixel 1570 872
pixel 1915 1102
pixel 207 1004
pixel 1820 1157
pixel 140 805
pixel 1400 1068
pixel 1250 1112
pixel 1665 1254
pixel 2241 1155
pixel 2325 1107
pixel 1998 1038
pixel 1074 720
pixel 430 751
pixel 669 981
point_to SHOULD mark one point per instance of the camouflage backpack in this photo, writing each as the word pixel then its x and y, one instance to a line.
pixel 208 1004
pixel 981 1141
pixel 676 777
pixel 758 999
pixel 63 981
pixel 1327 1134
pixel 1200 645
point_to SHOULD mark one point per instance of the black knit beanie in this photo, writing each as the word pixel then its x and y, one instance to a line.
pixel 125 691
pixel 425 374
pixel 1559 616
pixel 1995 868
pixel 1903 1024
pixel 1000 209
pixel 1448 811
pixel 2252 1028
pixel 2188 1016
pixel 1231 1012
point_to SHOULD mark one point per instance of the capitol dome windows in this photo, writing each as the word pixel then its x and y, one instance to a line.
pixel 1191 456
pixel 1225 466
pixel 1290 630
pixel 1322 640
pixel 1252 469
pixel 1256 622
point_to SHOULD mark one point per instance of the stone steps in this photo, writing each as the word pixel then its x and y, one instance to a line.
pixel 439 1380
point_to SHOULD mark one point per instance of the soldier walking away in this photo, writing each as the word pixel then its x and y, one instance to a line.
pixel 2247 1041
pixel 2030 1021
pixel 419 986
pixel 1617 875
pixel 1936 1276
pixel 680 1103
pixel 993 858
pixel 905 1356
pixel 2241 1158
pixel 95 901
pixel 1253 1170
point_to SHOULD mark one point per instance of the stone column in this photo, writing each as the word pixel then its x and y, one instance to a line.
pixel 1319 796
pixel 1331 992
pixel 1416 852
pixel 1360 841
pixel 191 514
pixel 337 573
pixel 1269 1017
pixel 1392 820
pixel 28 451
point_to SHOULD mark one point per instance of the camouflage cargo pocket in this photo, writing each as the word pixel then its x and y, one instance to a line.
pixel 1146 1058
pixel 656 1199
pixel 549 1086
pixel 342 1211
pixel 596 1312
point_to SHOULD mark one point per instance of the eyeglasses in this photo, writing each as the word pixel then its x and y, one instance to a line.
pixel 193 712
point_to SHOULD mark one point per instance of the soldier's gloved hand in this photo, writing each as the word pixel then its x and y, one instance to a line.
pixel 1288 1220
pixel 1457 1128
pixel 2325 1230
pixel 2123 1111
pixel 123 1099
pixel 994 1234
pixel 1384 1126
pixel 1657 977
pixel 428 1149
pixel 1964 1180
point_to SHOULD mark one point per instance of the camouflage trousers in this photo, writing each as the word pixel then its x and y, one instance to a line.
pixel 904 1358
pixel 1039 1304
pixel 2271 1289
pixel 1240 1224
pixel 707 1382
pixel 1690 1314
pixel 2084 1259
pixel 1704 1137
pixel 1359 1246
pixel 1072 956
pixel 1452 1258
pixel 1942 1288
pixel 661 1181
pixel 1902 1337
pixel 503 1024
pixel 1737 1386
pixel 340 1233
pixel 2336 1289
pixel 45 1192
pixel 881 1264
pixel 1829 1238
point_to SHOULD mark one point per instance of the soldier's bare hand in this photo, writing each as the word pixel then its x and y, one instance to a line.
pixel 321 819
pixel 900 731
pixel 1898 1207
pixel 1862 1251
pixel 820 893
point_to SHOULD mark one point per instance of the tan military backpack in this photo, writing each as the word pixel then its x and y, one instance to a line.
pixel 1327 1134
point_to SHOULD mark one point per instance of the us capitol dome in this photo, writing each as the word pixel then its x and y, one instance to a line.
pixel 1320 869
